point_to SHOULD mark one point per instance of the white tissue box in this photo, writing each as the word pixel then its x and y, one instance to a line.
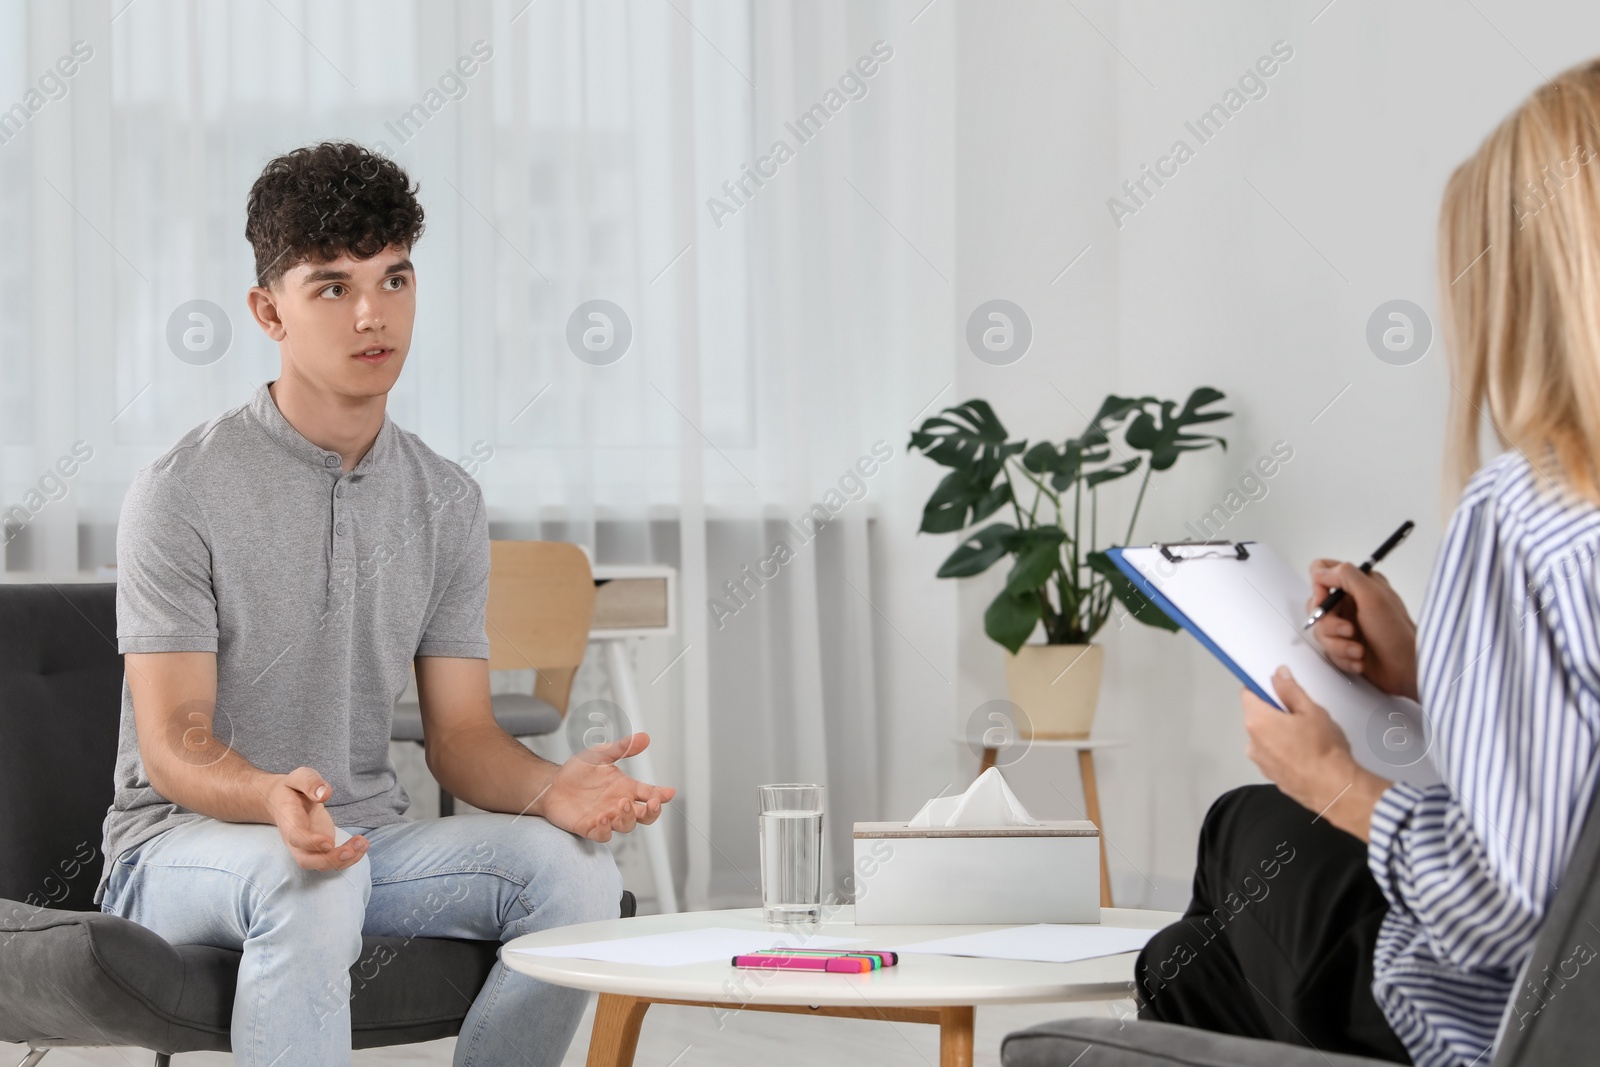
pixel 911 876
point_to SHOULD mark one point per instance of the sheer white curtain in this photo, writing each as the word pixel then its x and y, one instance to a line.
pixel 775 353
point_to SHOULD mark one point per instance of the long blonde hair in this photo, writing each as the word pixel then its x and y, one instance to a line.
pixel 1519 275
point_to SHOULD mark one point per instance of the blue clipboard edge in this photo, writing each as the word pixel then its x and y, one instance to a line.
pixel 1142 583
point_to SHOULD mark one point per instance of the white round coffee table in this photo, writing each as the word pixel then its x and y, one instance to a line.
pixel 920 988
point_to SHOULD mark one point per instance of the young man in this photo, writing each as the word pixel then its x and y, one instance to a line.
pixel 279 571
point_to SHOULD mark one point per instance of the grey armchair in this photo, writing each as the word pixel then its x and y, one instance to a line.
pixel 71 975
pixel 1559 1024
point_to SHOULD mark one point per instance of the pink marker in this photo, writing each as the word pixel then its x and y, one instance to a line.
pixel 837 964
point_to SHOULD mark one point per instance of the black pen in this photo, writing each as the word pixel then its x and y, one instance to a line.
pixel 1333 598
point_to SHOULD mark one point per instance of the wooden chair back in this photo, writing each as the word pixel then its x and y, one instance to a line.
pixel 541 602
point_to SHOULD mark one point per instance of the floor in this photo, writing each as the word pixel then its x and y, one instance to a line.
pixel 689 1037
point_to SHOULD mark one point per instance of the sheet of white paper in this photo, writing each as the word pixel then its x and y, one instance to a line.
pixel 687 946
pixel 1049 942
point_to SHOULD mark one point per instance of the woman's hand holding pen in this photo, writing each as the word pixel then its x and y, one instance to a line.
pixel 1369 632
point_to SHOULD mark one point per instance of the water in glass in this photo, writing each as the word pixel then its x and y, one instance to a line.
pixel 791 855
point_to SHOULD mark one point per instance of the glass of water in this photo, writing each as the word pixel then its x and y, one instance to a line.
pixel 791 853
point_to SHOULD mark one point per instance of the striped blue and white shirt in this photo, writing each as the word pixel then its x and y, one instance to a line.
pixel 1509 672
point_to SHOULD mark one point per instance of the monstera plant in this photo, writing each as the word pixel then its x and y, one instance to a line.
pixel 1045 498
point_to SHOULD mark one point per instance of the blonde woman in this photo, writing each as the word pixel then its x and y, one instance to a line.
pixel 1395 920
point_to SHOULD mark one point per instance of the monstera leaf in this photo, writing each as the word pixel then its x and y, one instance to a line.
pixel 971 434
pixel 1011 618
pixel 978 552
pixel 962 498
pixel 1112 472
pixel 1112 411
pixel 1166 439
pixel 1038 555
pixel 971 441
pixel 1064 464
pixel 1079 456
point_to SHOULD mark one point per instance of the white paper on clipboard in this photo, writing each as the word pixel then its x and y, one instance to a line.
pixel 1252 610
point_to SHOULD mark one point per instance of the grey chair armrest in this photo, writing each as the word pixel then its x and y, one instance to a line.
pixel 92 978
pixel 1117 1043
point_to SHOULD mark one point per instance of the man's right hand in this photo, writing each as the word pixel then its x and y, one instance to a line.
pixel 297 803
pixel 1369 631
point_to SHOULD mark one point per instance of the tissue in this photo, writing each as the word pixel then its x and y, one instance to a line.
pixel 987 802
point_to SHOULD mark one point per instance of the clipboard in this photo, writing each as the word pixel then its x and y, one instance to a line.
pixel 1245 605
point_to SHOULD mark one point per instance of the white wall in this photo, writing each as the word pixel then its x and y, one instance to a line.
pixel 1254 270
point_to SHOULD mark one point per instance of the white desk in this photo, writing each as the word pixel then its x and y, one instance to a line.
pixel 942 990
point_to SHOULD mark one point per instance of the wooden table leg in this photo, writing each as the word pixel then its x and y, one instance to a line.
pixel 617 1019
pixel 955 1037
pixel 1091 800
pixel 988 759
pixel 615 1038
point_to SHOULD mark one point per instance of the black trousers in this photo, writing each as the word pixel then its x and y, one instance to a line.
pixel 1278 940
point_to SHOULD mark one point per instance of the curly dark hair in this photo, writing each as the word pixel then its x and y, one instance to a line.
pixel 325 200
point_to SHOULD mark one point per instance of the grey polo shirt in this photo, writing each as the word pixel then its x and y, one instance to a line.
pixel 314 587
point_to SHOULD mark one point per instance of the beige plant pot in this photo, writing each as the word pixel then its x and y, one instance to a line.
pixel 1058 686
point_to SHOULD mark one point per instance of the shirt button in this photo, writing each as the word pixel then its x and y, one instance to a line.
pixel 338 490
pixel 340 529
pixel 331 461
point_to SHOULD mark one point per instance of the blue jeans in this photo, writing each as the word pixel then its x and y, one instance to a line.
pixel 484 875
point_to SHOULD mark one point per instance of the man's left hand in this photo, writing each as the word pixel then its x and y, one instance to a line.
pixel 591 797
